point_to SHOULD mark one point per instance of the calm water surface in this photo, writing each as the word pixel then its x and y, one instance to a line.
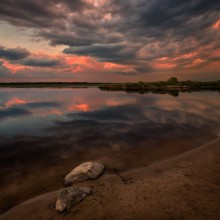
pixel 104 117
pixel 61 119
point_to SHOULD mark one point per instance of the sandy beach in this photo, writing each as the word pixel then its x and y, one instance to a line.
pixel 185 186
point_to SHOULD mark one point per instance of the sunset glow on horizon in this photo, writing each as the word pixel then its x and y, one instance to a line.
pixel 109 41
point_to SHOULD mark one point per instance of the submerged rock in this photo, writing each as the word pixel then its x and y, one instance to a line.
pixel 71 196
pixel 88 170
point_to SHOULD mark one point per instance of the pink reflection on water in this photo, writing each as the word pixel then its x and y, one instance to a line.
pixel 63 101
pixel 79 107
pixel 56 112
pixel 14 101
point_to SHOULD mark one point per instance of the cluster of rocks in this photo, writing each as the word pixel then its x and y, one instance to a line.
pixel 68 197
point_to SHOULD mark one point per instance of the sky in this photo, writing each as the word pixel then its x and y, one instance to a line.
pixel 109 40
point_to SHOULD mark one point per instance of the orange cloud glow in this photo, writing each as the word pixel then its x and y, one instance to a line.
pixel 162 66
pixel 217 25
pixel 70 60
pixel 82 63
pixel 14 67
pixel 195 63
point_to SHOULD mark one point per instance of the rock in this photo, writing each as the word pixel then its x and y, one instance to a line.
pixel 88 170
pixel 71 196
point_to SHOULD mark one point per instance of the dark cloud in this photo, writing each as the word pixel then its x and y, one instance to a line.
pixel 13 53
pixel 173 13
pixel 40 62
pixel 37 13
pixel 57 38
pixel 4 72
pixel 80 38
pixel 134 33
pixel 104 52
pixel 147 30
pixel 144 69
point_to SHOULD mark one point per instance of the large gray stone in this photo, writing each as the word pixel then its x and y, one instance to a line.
pixel 88 170
pixel 71 196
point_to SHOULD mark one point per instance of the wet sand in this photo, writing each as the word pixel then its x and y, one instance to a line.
pixel 183 185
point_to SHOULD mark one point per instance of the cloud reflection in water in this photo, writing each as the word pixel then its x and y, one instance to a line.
pixel 110 120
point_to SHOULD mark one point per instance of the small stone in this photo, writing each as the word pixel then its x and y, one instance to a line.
pixel 71 196
pixel 85 171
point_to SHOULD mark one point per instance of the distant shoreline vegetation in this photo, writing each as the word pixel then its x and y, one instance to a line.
pixel 171 86
pixel 48 84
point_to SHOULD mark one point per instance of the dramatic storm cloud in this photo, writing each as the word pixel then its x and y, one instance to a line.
pixel 13 54
pixel 128 40
pixel 41 62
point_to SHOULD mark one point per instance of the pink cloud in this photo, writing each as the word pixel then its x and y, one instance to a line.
pixel 162 66
pixel 196 63
pixel 217 25
pixel 14 67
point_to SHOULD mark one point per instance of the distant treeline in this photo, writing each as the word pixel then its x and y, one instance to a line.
pixel 172 85
pixel 48 84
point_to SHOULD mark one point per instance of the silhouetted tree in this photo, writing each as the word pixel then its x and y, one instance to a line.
pixel 172 80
